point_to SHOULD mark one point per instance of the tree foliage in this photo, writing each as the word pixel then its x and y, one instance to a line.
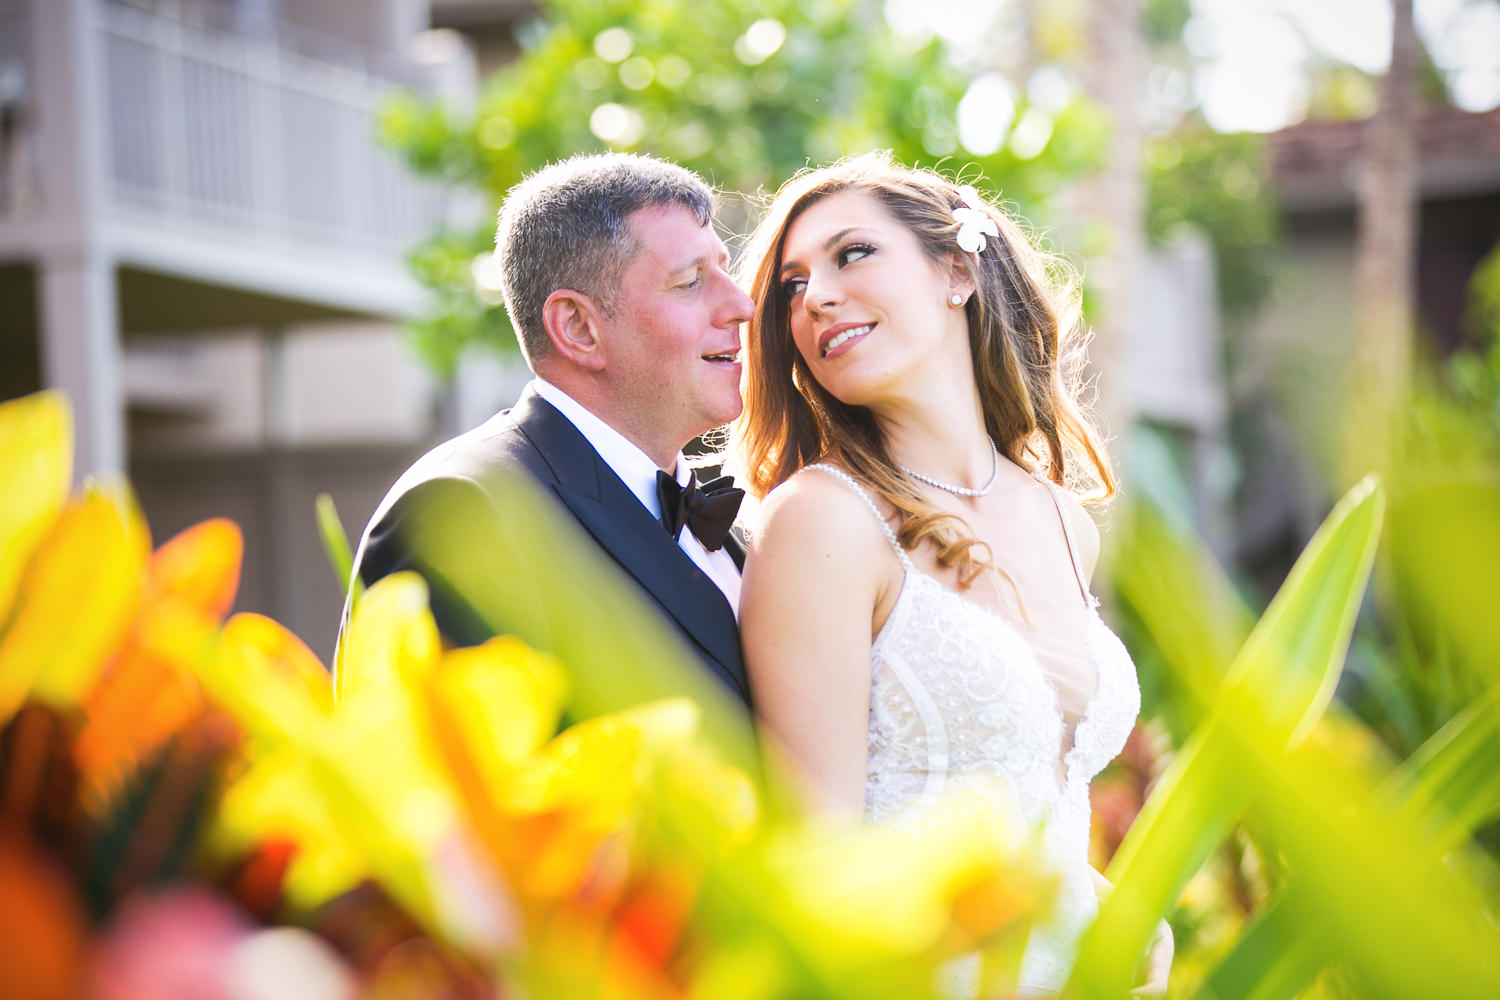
pixel 1217 183
pixel 744 93
pixel 1475 372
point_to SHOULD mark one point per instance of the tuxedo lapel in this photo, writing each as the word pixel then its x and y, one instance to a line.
pixel 623 527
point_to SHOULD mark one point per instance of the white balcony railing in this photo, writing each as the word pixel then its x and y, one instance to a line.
pixel 17 172
pixel 207 125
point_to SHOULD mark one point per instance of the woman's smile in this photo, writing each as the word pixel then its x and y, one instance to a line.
pixel 839 339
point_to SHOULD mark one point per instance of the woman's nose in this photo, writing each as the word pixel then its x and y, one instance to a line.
pixel 821 293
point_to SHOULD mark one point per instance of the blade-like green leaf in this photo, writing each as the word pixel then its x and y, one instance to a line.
pixel 1400 917
pixel 1277 687
pixel 1457 519
pixel 336 546
pixel 1292 660
pixel 1183 822
pixel 1371 889
pixel 1453 775
pixel 1451 778
pixel 1274 959
pixel 532 574
pixel 1185 601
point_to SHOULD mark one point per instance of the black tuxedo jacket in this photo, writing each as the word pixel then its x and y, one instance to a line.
pixel 536 439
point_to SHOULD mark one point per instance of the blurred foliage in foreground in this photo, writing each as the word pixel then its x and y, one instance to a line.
pixel 189 803
pixel 1418 709
pixel 748 94
pixel 1474 373
pixel 182 796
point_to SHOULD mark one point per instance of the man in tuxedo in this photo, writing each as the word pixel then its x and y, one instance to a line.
pixel 619 293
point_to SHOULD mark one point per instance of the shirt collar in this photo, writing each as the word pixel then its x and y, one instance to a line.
pixel 633 466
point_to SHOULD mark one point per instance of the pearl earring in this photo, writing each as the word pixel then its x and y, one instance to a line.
pixel 956 299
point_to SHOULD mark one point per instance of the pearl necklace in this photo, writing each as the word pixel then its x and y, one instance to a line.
pixel 963 491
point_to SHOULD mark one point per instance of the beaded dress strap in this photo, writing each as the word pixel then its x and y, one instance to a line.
pixel 859 491
pixel 1067 525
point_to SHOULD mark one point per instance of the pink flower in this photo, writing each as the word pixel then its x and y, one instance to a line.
pixel 172 942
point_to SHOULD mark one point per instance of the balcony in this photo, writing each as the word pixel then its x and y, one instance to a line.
pixel 239 154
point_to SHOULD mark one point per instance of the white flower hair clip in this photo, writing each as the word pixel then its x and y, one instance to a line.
pixel 973 224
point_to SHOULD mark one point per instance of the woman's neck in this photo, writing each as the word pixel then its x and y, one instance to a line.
pixel 940 433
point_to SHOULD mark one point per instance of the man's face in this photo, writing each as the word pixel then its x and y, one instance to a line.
pixel 673 334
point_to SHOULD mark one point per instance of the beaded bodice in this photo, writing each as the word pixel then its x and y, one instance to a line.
pixel 958 696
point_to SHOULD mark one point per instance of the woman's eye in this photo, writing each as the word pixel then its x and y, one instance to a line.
pixel 793 287
pixel 854 252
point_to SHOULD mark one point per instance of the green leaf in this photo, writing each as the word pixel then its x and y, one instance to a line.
pixel 1395 910
pixel 534 575
pixel 1457 516
pixel 1275 959
pixel 1454 775
pixel 336 546
pixel 1292 660
pixel 1452 779
pixel 1187 604
pixel 1276 689
pixel 745 127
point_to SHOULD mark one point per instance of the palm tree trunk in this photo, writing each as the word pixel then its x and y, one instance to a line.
pixel 1114 201
pixel 1385 270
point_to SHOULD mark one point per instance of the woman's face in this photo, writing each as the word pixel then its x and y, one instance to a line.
pixel 869 309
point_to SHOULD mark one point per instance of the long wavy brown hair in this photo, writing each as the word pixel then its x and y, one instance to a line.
pixel 1026 336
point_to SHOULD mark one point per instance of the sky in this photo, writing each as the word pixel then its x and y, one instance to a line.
pixel 1251 52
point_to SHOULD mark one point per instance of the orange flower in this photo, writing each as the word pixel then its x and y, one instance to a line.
pixel 148 693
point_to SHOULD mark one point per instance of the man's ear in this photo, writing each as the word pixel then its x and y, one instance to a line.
pixel 575 324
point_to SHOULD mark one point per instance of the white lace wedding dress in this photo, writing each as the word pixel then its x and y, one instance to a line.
pixel 959 693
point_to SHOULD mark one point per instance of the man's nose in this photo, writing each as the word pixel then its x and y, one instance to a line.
pixel 741 306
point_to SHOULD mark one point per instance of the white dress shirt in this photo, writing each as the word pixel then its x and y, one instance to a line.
pixel 638 473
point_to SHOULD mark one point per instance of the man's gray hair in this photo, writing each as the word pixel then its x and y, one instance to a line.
pixel 567 226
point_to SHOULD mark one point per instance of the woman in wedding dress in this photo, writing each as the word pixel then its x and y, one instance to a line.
pixel 916 612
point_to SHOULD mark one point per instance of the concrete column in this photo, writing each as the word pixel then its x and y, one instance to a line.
pixel 81 354
pixel 404 19
pixel 278 549
pixel 76 294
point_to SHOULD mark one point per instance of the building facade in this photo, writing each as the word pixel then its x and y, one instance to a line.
pixel 201 241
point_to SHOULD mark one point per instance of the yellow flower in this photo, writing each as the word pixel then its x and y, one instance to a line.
pixel 36 464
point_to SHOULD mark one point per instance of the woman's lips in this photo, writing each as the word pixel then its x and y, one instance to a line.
pixel 836 340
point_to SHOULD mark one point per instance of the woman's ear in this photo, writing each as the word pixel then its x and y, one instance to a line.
pixel 960 281
pixel 575 324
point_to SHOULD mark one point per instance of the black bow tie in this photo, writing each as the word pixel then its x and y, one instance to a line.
pixel 706 510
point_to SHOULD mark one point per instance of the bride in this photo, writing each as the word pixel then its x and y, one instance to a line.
pixel 916 613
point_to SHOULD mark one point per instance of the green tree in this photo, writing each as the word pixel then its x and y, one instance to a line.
pixel 1200 178
pixel 1475 372
pixel 744 93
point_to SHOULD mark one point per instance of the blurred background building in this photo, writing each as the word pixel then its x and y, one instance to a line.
pixel 1291 354
pixel 202 240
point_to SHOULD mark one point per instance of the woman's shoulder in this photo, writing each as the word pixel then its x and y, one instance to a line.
pixel 819 502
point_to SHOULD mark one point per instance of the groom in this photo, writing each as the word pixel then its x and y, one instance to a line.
pixel 617 287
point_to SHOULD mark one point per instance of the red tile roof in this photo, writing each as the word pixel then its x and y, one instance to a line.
pixel 1316 163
